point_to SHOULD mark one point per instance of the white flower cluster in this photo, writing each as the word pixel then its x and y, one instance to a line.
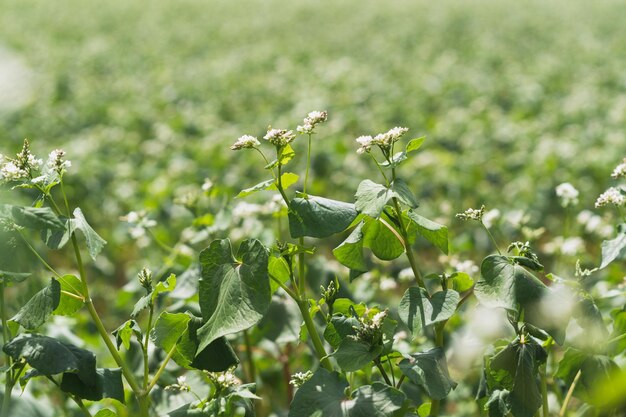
pixel 299 378
pixel 279 137
pixel 311 121
pixel 620 170
pixel 23 167
pixel 180 385
pixel 567 193
pixel 383 140
pixel 56 162
pixel 615 196
pixel 244 142
pixel 139 222
pixel 472 214
pixel 224 379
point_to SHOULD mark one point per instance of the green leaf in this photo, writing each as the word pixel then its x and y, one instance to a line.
pixel 461 281
pixel 108 385
pixel 124 333
pixel 51 357
pixel 9 278
pixel 234 294
pixel 168 328
pixel 281 323
pixel 352 355
pixel 320 396
pixel 376 400
pixel 615 248
pixel 371 197
pixel 105 412
pixel 287 180
pixel 285 154
pixel 382 238
pixel 278 268
pixel 398 158
pixel 69 305
pixel 505 284
pixel 570 364
pixel 319 217
pixel 435 233
pixel 415 144
pixel 37 310
pixel 94 242
pixel 58 238
pixel 164 286
pixel 339 328
pixel 417 310
pixel 498 404
pixel 350 252
pixel 429 370
pixel 36 218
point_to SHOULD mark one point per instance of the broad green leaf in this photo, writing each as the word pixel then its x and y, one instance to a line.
pixel 37 310
pixel 164 286
pixel 596 371
pixel 352 355
pixel 105 412
pixel 285 154
pixel 281 323
pixel 505 284
pixel 9 278
pixel 435 233
pixel 371 197
pixel 124 333
pixel 278 268
pixel 417 310
pixel 58 238
pixel 382 238
pixel 429 370
pixel 51 357
pixel 141 304
pixel 94 242
pixel 287 180
pixel 321 396
pixel 319 217
pixel 376 400
pixel 619 329
pixel 339 328
pixel 69 305
pixel 234 293
pixel 615 248
pixel 424 409
pixel 570 364
pixel 36 218
pixel 108 385
pixel 498 404
pixel 461 281
pixel 168 328
pixel 350 252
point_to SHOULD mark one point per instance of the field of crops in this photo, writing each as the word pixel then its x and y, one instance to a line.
pixel 351 260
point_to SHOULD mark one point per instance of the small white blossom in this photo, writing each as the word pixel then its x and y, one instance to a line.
pixel 244 210
pixel 406 275
pixel 567 193
pixel 245 141
pixel 378 318
pixel 387 284
pixel 139 222
pixel 311 121
pixel 23 167
pixel 472 214
pixel 207 185
pixel 570 246
pixel 613 196
pixel 9 171
pixel 279 137
pixel 385 140
pixel 180 385
pixel 620 170
pixel 365 142
pixel 56 163
pixel 468 266
pixel 299 378
pixel 224 379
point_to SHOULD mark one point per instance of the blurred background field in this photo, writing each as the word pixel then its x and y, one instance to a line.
pixel 146 97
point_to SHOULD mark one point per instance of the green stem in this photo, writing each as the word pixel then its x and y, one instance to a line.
pixel 544 392
pixel 158 373
pixel 167 248
pixel 568 396
pixel 400 381
pixel 144 348
pixel 285 288
pixel 144 405
pixel 301 271
pixel 407 248
pixel 279 185
pixel 379 168
pixel 42 260
pixel 6 338
pixel 383 372
pixel 74 398
pixel 308 163
pixel 267 162
pixel 493 240
pixel 303 305
pixel 251 367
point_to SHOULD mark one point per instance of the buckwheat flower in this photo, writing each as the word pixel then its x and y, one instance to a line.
pixel 299 378
pixel 311 121
pixel 378 318
pixel 620 170
pixel 472 214
pixel 387 284
pixel 180 385
pixel 279 137
pixel 56 162
pixel 385 140
pixel 9 171
pixel 139 222
pixel 224 380
pixel 366 143
pixel 613 196
pixel 207 185
pixel 245 142
pixel 567 193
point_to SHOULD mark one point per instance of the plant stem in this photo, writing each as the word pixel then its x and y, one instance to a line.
pixel 383 372
pixel 301 271
pixel 144 348
pixel 407 248
pixel 284 287
pixel 6 338
pixel 251 367
pixel 42 260
pixel 158 373
pixel 493 240
pixel 380 168
pixel 569 394
pixel 308 163
pixel 544 391
pixel 303 305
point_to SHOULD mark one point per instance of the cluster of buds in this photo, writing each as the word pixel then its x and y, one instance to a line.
pixel 299 378
pixel 472 214
pixel 145 278
pixel 614 196
pixel 223 380
pixel 567 193
pixel 23 167
pixel 330 293
pixel 279 137
pixel 370 330
pixel 245 142
pixel 619 171
pixel 180 385
pixel 56 162
pixel 311 121
pixel 383 140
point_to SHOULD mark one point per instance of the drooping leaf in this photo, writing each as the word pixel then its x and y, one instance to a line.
pixel 417 310
pixel 168 329
pixel 37 310
pixel 319 217
pixel 105 412
pixel 234 293
pixel 376 400
pixel 9 278
pixel 570 364
pixel 498 404
pixel 287 179
pixel 350 252
pixel 371 197
pixel 51 357
pixel 68 305
pixel 383 238
pixel 429 370
pixel 108 385
pixel 505 284
pixel 124 333
pixel 320 396
pixel 145 301
pixel 435 233
pixel 615 248
pixel 36 218
pixel 94 242
pixel 58 238
pixel 352 355
pixel 285 154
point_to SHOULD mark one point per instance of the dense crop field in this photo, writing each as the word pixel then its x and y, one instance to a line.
pixel 520 309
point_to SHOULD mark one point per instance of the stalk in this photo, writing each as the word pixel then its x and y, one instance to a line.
pixel 8 384
pixel 308 163
pixel 251 367
pixel 303 305
pixel 544 392
pixel 568 397
pixel 407 248
pixel 146 368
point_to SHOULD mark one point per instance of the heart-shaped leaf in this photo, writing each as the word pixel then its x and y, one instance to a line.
pixel 417 310
pixel 429 370
pixel 37 310
pixel 319 217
